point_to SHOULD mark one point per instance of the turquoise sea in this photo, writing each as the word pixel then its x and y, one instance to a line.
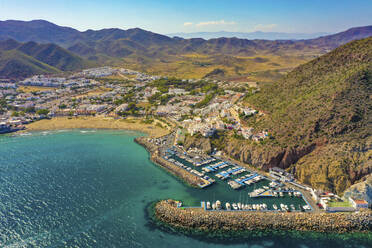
pixel 88 188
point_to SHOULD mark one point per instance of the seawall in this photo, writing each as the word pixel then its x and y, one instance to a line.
pixel 199 220
pixel 180 173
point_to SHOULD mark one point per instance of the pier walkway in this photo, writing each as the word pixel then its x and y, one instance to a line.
pixel 246 179
pixel 216 166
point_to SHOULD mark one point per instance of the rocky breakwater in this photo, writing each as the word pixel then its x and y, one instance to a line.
pixel 199 220
pixel 155 157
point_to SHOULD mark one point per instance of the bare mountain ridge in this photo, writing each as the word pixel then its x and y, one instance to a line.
pixel 105 41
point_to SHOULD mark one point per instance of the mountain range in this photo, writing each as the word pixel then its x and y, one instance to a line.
pixel 257 35
pixel 155 53
pixel 24 59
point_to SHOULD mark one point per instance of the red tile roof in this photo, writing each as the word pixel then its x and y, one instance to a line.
pixel 360 202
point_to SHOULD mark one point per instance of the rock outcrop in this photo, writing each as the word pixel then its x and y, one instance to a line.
pixel 361 190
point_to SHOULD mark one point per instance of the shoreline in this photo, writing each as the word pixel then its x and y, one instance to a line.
pixel 152 131
pixel 197 220
pixel 229 224
pixel 60 123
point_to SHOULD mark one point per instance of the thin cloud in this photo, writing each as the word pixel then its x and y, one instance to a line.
pixel 213 23
pixel 187 24
pixel 265 27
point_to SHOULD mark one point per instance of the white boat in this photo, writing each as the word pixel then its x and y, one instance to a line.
pixel 218 204
pixel 249 207
pixel 282 206
pixel 275 207
pixel 208 205
pixel 228 206
pixel 281 194
pixel 290 193
pixel 292 207
pixel 306 207
pixel 235 207
pixel 239 206
pixel 214 206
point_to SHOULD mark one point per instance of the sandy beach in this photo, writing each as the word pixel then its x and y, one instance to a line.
pixel 97 123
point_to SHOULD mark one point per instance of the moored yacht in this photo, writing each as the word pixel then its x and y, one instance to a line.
pixel 218 204
pixel 214 206
pixel 235 207
pixel 228 206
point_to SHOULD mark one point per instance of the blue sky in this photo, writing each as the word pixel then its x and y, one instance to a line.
pixel 169 16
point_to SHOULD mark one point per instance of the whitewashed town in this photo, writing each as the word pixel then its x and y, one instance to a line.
pixel 90 93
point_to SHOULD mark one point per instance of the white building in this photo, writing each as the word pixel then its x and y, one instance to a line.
pixel 358 203
pixel 123 107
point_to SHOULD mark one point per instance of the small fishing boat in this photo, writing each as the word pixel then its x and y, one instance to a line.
pixel 235 207
pixel 228 206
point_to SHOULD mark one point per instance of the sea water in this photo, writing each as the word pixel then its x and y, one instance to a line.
pixel 90 188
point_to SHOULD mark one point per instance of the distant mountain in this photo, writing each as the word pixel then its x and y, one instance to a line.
pixel 39 31
pixel 151 52
pixel 120 43
pixel 335 40
pixel 258 35
pixel 25 59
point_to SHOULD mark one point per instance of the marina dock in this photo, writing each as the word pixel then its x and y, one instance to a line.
pixel 260 192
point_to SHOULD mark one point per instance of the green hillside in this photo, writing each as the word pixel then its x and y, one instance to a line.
pixel 15 64
pixel 53 55
pixel 320 114
pixel 25 59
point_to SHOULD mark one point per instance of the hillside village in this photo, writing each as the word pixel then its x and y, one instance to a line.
pixel 119 92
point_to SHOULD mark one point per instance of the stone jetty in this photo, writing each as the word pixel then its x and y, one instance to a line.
pixel 198 219
pixel 184 175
